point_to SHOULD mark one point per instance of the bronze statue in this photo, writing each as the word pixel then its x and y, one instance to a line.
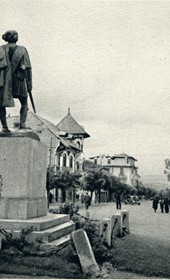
pixel 15 78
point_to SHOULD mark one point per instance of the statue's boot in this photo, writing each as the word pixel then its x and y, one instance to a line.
pixel 23 116
pixel 3 120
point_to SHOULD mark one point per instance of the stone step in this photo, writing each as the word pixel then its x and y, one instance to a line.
pixel 54 233
pixel 56 244
pixel 38 224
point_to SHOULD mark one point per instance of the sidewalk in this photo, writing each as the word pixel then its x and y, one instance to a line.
pixel 56 205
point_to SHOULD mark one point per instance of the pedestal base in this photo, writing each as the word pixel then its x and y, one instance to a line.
pixel 23 167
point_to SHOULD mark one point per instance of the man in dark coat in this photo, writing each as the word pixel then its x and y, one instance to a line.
pixel 155 203
pixel 118 201
pixel 166 202
pixel 162 204
pixel 15 65
pixel 87 200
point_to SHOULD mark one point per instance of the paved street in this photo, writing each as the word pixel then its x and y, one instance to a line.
pixel 143 220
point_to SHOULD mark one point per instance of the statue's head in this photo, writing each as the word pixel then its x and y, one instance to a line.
pixel 10 36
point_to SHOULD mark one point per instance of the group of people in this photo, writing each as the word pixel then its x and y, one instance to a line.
pixel 163 202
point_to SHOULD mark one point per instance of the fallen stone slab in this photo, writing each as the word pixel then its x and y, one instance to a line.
pixel 85 253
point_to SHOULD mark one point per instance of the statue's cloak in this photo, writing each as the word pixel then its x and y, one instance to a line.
pixel 12 76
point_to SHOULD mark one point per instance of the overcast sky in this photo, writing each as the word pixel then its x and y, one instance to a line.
pixel 109 61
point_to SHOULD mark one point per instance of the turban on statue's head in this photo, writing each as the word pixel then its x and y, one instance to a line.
pixel 10 36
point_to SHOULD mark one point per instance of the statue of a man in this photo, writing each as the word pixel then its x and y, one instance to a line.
pixel 15 65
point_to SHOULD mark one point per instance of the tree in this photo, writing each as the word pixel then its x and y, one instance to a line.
pixel 167 171
pixel 114 185
pixel 141 189
pixel 94 181
pixel 64 180
pixel 165 192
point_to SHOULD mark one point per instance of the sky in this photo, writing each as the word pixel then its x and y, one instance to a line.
pixel 109 62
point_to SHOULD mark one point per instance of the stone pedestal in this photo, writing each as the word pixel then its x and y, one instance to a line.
pixel 116 226
pixel 125 220
pixel 106 230
pixel 23 166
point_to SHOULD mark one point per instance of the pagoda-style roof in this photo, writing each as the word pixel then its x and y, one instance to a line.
pixel 71 126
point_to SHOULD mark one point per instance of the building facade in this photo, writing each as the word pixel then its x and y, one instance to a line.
pixel 121 166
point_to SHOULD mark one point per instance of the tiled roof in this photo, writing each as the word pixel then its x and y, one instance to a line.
pixel 123 155
pixel 71 126
pixel 55 131
pixel 106 156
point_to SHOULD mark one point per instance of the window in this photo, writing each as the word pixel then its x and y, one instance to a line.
pixel 78 144
pixel 121 171
pixel 58 160
pixel 109 161
pixel 95 161
pixel 64 160
pixel 77 165
pixel 16 124
pixel 71 162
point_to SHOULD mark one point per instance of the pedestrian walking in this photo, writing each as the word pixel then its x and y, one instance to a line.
pixel 162 204
pixel 50 197
pixel 82 198
pixel 77 197
pixel 166 202
pixel 118 201
pixel 155 203
pixel 87 200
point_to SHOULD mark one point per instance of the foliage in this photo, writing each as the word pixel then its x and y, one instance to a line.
pixel 167 171
pixel 96 179
pixel 63 179
pixel 164 192
pixel 141 190
pixel 92 228
pixel 66 208
pixel 150 192
pixel 19 243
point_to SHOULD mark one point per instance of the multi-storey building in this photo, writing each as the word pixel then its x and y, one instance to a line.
pixel 121 166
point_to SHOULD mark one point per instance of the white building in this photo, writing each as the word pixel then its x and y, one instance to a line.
pixel 121 166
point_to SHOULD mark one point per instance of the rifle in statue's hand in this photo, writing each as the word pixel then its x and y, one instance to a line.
pixel 29 88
